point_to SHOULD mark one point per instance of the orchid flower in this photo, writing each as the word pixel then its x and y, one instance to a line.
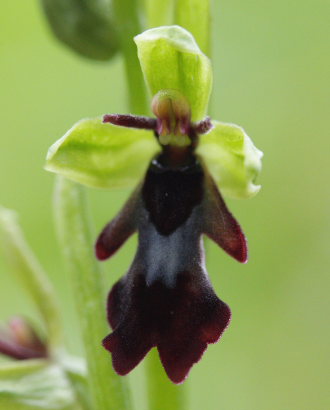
pixel 180 160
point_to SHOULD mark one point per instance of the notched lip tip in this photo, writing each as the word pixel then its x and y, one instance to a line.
pixel 181 381
pixel 243 259
pixel 105 344
pixel 100 253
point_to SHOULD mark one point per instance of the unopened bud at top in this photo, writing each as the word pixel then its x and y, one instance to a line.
pixel 25 335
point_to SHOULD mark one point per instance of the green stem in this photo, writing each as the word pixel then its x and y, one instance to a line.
pixel 107 390
pixel 159 12
pixel 128 23
pixel 194 16
pixel 30 273
pixel 163 394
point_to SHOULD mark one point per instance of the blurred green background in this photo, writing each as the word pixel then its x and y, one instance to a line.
pixel 271 69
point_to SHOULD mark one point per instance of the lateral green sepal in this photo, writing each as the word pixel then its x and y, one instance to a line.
pixel 233 160
pixel 102 155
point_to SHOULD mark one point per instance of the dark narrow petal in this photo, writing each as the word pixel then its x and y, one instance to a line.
pixel 119 229
pixel 179 320
pixel 221 226
pixel 131 121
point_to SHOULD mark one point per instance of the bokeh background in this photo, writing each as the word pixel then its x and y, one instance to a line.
pixel 271 69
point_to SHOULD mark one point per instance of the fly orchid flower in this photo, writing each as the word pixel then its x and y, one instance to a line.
pixel 166 299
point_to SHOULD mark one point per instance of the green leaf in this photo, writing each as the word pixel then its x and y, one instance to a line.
pixel 107 390
pixel 171 59
pixel 86 26
pixel 102 155
pixel 33 385
pixel 232 159
pixel 76 371
pixel 24 264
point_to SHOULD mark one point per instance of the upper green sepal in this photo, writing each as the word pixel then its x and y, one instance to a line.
pixel 102 155
pixel 171 59
pixel 232 159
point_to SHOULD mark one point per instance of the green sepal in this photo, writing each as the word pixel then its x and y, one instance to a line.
pixel 171 59
pixel 232 159
pixel 102 155
pixel 34 385
pixel 86 26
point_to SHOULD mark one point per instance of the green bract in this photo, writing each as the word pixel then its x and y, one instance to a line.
pixel 102 155
pixel 86 26
pixel 23 263
pixel 232 159
pixel 33 385
pixel 171 59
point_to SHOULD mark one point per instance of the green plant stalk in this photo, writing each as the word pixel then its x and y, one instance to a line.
pixel 162 393
pixel 108 391
pixel 127 20
pixel 30 273
pixel 159 12
pixel 194 16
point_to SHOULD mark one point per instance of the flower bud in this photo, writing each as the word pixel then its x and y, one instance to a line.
pixel 20 341
pixel 84 26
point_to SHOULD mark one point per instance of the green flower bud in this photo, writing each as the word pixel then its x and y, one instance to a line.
pixel 84 25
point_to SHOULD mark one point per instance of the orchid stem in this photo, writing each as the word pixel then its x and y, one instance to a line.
pixel 195 16
pixel 107 390
pixel 127 19
pixel 163 394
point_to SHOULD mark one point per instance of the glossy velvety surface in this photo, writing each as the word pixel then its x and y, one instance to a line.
pixel 166 298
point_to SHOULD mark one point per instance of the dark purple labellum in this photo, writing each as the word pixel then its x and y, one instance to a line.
pixel 166 299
